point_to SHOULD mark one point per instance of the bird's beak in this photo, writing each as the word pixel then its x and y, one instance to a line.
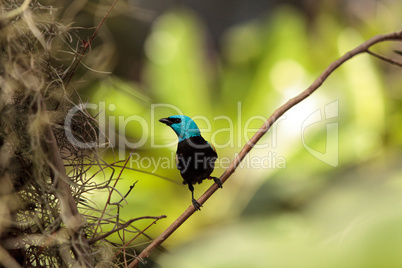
pixel 166 121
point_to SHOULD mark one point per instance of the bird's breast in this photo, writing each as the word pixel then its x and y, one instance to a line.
pixel 195 159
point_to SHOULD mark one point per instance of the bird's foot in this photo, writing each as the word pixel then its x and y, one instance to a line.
pixel 217 181
pixel 196 205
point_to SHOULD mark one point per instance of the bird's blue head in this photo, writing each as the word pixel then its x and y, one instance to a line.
pixel 183 125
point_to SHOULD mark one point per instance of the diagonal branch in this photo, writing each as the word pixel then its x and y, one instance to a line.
pixel 261 132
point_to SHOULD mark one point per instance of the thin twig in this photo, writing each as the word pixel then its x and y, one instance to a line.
pixel 88 44
pixel 384 58
pixel 257 136
pixel 111 192
pixel 128 192
pixel 129 242
pixel 93 240
pixel 115 164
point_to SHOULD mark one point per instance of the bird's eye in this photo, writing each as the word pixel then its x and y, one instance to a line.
pixel 177 120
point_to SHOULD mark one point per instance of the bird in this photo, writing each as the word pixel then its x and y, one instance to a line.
pixel 195 157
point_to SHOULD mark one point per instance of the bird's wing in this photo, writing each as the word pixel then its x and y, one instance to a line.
pixel 213 148
pixel 179 161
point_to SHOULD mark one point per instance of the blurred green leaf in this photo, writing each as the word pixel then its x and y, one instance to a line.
pixel 177 71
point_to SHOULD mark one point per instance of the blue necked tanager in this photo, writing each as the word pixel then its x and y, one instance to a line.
pixel 195 157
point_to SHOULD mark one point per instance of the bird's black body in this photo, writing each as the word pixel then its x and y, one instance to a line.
pixel 195 157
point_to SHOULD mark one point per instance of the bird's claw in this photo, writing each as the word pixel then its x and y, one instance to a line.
pixel 217 181
pixel 196 205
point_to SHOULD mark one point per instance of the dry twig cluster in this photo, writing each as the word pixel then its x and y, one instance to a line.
pixel 47 218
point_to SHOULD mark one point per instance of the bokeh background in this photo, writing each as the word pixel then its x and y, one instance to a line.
pixel 339 207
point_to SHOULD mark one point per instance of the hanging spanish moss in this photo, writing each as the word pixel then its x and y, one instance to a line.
pixel 46 218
